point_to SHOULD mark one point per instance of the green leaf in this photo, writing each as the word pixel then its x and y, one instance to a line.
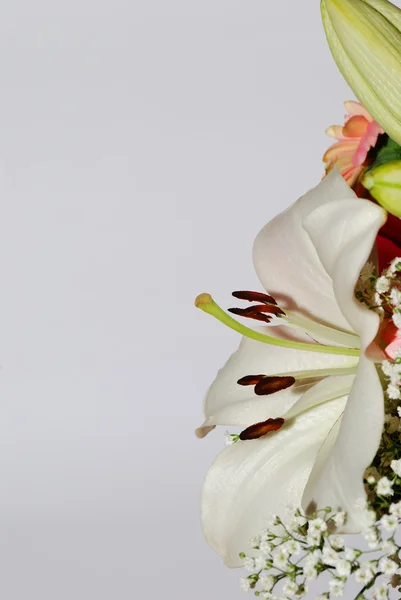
pixel 387 152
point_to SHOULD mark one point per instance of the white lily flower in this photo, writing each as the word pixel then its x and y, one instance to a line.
pixel 327 425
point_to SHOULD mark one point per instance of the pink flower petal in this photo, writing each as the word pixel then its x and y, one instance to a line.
pixel 336 132
pixel 355 127
pixel 356 108
pixel 340 149
pixel 367 142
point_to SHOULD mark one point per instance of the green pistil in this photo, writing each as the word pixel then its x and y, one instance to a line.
pixel 206 303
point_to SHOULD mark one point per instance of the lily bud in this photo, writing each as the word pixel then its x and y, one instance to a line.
pixel 365 40
pixel 384 184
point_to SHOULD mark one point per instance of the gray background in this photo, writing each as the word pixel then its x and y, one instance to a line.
pixel 142 147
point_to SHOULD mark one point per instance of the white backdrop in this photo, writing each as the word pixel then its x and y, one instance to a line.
pixel 142 147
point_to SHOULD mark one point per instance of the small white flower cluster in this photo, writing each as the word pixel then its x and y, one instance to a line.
pixel 230 438
pixel 298 549
pixel 383 294
pixel 392 370
pixel 388 289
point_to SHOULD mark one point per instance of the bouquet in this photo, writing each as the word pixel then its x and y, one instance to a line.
pixel 312 396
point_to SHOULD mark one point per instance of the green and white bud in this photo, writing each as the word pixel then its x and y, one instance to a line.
pixel 365 40
pixel 384 184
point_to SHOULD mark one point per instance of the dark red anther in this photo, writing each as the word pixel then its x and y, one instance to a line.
pixel 254 297
pixel 261 308
pixel 271 385
pixel 250 314
pixel 250 379
pixel 260 429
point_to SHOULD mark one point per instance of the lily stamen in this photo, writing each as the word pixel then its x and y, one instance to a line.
pixel 260 312
pixel 266 385
pixel 270 384
pixel 206 303
pixel 313 328
pixel 254 297
pixel 260 429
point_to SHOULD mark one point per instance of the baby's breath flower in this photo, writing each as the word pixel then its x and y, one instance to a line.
pixel 293 547
pixel 280 558
pixel 371 536
pixel 350 554
pixel 267 582
pixel 330 556
pixel 313 558
pixel 336 587
pixel 313 540
pixel 395 297
pixel 290 588
pixel 343 568
pixel 337 542
pixel 265 547
pixel 322 551
pixel 396 467
pixel 393 392
pixel 382 285
pixel 372 565
pixel 395 509
pixel 394 266
pixel 339 518
pixel 249 564
pixel 380 592
pixel 310 573
pixel 387 368
pixel 388 566
pixel 364 575
pixel 397 320
pixel 377 300
pixel 260 562
pixel 230 438
pixel 245 584
pixel 384 487
pixel 388 547
pixel 317 527
pixel 389 522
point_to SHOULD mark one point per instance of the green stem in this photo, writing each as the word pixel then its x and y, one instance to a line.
pixel 206 303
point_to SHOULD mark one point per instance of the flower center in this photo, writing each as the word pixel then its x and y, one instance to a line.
pixel 266 310
pixel 269 309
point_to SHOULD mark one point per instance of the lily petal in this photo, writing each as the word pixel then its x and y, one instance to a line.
pixel 343 234
pixel 252 480
pixel 228 403
pixel 286 260
pixel 336 480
